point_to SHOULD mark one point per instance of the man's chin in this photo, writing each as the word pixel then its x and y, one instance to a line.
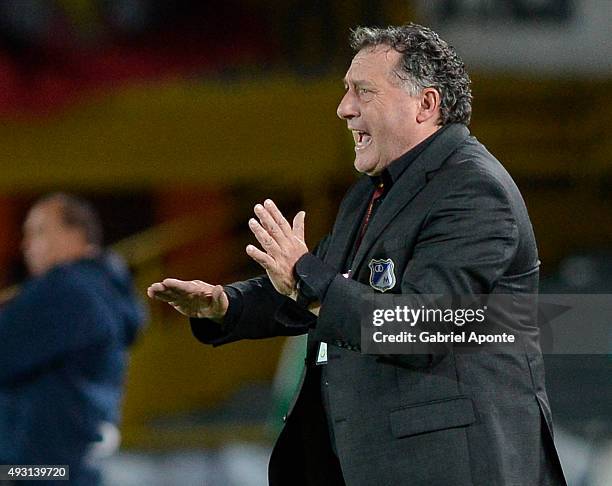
pixel 365 165
pixel 35 272
pixel 35 269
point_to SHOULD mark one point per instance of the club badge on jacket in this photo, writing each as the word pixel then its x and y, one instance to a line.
pixel 382 275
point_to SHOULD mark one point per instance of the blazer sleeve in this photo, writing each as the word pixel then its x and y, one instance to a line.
pixel 257 311
pixel 466 244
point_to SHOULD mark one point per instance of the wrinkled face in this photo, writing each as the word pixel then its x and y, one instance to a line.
pixel 47 241
pixel 378 109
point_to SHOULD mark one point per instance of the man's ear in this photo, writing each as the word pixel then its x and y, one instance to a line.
pixel 429 106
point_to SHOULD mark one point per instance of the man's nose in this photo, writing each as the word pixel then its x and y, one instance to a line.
pixel 347 108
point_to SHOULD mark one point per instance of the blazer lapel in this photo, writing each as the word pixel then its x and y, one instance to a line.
pixel 348 223
pixel 409 184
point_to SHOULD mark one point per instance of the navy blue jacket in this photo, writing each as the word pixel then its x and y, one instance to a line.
pixel 63 344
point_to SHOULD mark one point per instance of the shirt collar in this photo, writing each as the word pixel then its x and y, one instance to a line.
pixel 396 168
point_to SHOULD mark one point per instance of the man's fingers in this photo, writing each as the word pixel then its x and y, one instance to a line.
pixel 267 241
pixel 159 291
pixel 185 285
pixel 269 224
pixel 171 289
pixel 192 298
pixel 265 260
pixel 188 287
pixel 155 289
pixel 298 225
pixel 278 217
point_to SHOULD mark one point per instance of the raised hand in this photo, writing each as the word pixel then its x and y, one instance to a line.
pixel 192 298
pixel 283 245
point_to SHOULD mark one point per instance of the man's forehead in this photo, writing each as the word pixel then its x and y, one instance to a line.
pixel 373 59
pixel 44 212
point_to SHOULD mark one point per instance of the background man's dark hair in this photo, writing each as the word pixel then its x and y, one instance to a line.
pixel 78 213
pixel 427 62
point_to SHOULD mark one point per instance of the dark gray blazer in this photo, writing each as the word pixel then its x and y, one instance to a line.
pixel 454 223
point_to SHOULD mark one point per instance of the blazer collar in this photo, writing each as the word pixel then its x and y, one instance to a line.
pixel 411 180
pixel 397 167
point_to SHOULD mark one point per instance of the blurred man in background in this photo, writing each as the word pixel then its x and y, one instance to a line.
pixel 63 342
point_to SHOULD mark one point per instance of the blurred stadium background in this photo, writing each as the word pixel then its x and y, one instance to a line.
pixel 175 117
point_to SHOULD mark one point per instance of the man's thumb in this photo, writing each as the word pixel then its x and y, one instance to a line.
pixel 220 301
pixel 298 225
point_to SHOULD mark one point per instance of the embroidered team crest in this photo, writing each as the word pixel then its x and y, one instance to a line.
pixel 382 276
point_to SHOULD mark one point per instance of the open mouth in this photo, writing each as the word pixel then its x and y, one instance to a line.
pixel 362 139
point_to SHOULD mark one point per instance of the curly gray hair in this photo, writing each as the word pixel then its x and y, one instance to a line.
pixel 427 62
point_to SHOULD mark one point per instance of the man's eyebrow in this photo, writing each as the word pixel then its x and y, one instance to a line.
pixel 357 82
